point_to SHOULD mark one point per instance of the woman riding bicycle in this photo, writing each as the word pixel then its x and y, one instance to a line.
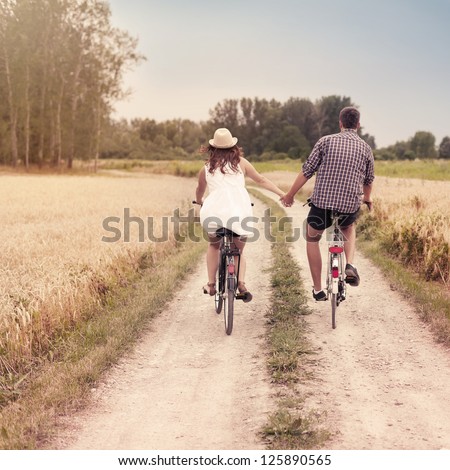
pixel 228 203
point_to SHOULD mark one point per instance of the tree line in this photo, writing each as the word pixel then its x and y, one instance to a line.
pixel 266 129
pixel 421 145
pixel 61 67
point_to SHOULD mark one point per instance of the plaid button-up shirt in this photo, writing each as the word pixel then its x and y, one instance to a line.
pixel 344 163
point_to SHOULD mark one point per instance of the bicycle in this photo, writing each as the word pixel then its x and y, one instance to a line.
pixel 336 288
pixel 228 277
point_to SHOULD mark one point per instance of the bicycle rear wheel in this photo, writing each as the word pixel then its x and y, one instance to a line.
pixel 218 302
pixel 228 311
pixel 221 287
pixel 333 310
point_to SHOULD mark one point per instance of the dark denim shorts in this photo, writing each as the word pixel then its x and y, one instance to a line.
pixel 320 219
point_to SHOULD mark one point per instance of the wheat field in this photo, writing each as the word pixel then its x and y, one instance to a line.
pixel 414 224
pixel 54 265
pixel 406 198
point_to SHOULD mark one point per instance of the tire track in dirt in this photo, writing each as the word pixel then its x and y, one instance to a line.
pixel 188 385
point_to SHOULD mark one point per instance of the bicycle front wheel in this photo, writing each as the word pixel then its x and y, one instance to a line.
pixel 228 311
pixel 333 310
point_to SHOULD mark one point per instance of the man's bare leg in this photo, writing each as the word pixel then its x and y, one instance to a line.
pixel 349 242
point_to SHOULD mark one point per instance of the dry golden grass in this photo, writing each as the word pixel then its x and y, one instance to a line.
pixel 414 219
pixel 405 199
pixel 54 267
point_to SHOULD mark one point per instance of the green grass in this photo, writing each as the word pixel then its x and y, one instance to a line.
pixel 190 168
pixel 290 426
pixel 419 169
pixel 437 170
pixel 62 382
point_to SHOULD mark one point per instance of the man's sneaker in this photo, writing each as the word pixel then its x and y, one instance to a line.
pixel 351 275
pixel 320 296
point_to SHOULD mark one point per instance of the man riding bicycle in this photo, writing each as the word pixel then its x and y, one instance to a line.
pixel 344 167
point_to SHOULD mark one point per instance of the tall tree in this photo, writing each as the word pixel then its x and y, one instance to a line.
pixel 444 148
pixel 225 114
pixel 9 38
pixel 423 144
pixel 302 113
pixel 328 109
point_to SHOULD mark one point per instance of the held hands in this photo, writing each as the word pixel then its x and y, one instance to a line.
pixel 287 200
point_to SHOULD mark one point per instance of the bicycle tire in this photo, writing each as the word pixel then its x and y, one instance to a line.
pixel 333 310
pixel 221 287
pixel 218 302
pixel 228 310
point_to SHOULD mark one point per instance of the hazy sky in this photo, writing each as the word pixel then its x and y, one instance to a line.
pixel 392 57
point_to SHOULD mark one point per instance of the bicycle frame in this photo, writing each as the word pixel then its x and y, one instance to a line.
pixel 229 252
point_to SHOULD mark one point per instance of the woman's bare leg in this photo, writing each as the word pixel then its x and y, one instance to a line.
pixel 212 259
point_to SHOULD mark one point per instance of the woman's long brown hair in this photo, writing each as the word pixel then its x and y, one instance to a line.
pixel 220 158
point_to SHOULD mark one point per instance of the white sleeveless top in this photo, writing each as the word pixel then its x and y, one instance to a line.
pixel 228 202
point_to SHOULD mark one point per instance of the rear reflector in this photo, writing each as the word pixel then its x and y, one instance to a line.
pixel 336 249
pixel 335 273
pixel 231 269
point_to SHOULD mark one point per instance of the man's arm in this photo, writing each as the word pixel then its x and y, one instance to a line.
pixel 299 182
pixel 368 181
pixel 311 165
pixel 367 199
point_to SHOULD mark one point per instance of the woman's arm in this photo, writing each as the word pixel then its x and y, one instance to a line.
pixel 201 186
pixel 250 171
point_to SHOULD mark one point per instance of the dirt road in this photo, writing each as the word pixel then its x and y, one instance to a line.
pixel 380 377
pixel 188 385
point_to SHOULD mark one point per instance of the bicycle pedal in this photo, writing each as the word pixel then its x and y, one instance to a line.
pixel 246 297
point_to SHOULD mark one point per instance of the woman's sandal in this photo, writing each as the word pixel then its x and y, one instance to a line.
pixel 246 296
pixel 210 288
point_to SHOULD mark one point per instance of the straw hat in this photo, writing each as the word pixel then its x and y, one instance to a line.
pixel 223 139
